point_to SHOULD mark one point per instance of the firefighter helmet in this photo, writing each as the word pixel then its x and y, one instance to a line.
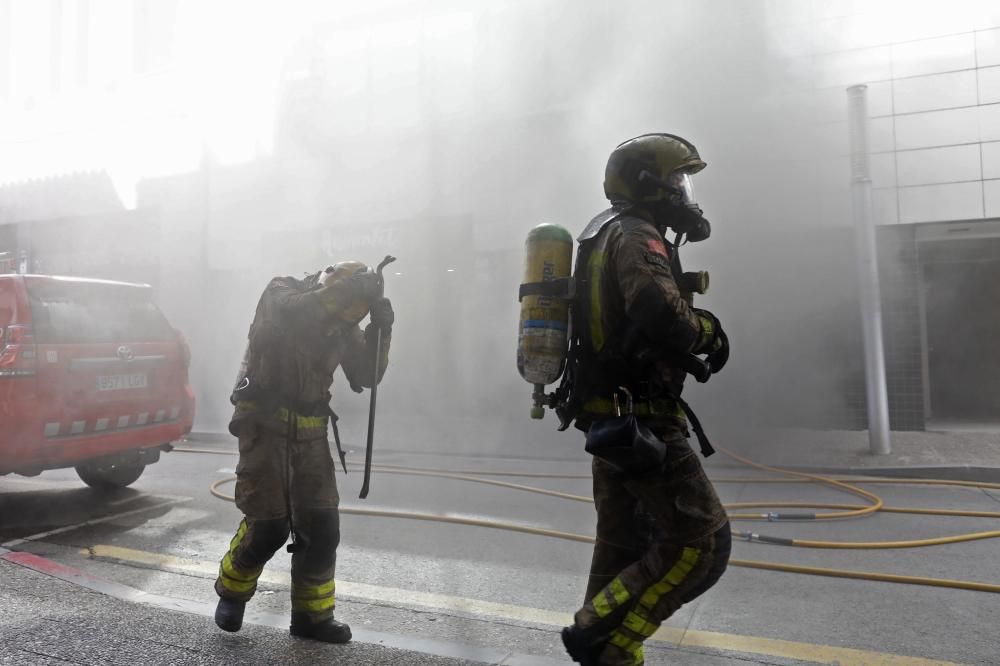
pixel 356 308
pixel 652 168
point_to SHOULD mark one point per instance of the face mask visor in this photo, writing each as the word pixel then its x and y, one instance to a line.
pixel 683 185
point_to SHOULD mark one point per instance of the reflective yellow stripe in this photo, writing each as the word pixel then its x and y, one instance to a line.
pixel 630 646
pixel 640 625
pixel 314 598
pixel 610 598
pixel 674 577
pixel 601 605
pixel 646 408
pixel 240 533
pixel 304 422
pixel 314 591
pixel 621 594
pixel 232 572
pixel 595 271
pixel 232 581
pixel 232 578
pixel 313 605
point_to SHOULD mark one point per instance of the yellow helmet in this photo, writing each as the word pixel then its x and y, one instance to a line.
pixel 352 310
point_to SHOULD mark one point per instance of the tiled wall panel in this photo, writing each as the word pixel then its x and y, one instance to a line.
pixel 991 159
pixel 989 85
pixel 937 91
pixel 937 128
pixel 934 56
pixel 991 195
pixel 936 203
pixel 939 165
pixel 988 47
pixel 989 122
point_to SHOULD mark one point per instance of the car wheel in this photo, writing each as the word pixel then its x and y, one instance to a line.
pixel 109 475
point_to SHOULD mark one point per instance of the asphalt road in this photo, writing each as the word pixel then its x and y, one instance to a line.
pixel 505 590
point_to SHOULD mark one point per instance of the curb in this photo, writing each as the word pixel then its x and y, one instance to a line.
pixel 976 473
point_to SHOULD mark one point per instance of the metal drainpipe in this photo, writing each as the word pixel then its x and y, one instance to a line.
pixel 871 301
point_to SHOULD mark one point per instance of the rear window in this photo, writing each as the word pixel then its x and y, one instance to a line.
pixel 74 312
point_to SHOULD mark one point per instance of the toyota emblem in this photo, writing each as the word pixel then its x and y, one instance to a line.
pixel 125 353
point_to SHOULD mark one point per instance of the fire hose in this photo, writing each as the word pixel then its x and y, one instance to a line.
pixel 836 511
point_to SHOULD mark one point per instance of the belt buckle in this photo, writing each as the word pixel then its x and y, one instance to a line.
pixel 628 401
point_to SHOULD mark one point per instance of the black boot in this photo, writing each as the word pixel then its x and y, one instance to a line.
pixel 582 646
pixel 229 614
pixel 328 630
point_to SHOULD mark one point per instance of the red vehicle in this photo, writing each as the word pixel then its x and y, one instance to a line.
pixel 92 376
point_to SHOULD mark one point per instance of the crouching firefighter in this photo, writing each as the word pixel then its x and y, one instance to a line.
pixel 662 535
pixel 302 331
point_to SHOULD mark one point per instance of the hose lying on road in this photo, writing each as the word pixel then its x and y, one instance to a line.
pixel 839 511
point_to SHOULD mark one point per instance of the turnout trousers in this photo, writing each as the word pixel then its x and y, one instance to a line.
pixel 663 539
pixel 285 484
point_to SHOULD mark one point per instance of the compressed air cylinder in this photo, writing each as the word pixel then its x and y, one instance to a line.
pixel 544 324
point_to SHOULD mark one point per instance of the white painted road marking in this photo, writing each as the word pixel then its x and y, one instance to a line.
pixel 69 528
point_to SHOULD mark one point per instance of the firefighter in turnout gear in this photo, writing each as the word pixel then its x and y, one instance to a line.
pixel 302 331
pixel 662 535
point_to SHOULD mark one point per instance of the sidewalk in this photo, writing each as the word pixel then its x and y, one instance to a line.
pixel 956 455
pixel 972 456
pixel 49 620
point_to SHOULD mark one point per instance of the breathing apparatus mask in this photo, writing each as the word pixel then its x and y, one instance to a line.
pixel 677 209
pixel 345 287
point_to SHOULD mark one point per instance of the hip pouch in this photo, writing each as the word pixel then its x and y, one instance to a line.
pixel 626 444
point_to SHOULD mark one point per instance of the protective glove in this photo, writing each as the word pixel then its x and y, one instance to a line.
pixel 708 340
pixel 364 286
pixel 382 315
pixel 717 359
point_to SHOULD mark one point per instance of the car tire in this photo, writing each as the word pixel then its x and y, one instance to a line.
pixel 110 475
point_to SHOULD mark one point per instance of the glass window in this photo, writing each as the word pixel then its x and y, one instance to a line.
pixel 72 312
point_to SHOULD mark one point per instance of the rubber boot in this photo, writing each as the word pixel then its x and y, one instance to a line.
pixel 229 614
pixel 582 647
pixel 328 630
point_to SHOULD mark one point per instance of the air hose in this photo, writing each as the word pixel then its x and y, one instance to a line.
pixel 838 511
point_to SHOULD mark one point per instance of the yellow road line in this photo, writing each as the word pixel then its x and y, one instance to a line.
pixel 809 652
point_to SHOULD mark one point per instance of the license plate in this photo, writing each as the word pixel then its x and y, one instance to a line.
pixel 136 380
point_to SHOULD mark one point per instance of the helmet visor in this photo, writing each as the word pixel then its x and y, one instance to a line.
pixel 682 183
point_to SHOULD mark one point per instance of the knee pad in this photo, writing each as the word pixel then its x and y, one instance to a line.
pixel 321 528
pixel 722 545
pixel 271 533
pixel 265 537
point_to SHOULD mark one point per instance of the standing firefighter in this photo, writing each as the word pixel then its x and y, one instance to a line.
pixel 635 338
pixel 302 331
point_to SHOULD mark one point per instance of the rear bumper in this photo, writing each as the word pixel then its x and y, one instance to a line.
pixel 35 447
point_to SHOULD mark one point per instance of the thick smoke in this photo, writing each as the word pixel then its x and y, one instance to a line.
pixel 442 132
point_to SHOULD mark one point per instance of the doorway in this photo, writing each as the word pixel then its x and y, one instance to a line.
pixel 960 288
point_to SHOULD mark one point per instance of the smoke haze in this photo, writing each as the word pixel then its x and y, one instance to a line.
pixel 277 138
